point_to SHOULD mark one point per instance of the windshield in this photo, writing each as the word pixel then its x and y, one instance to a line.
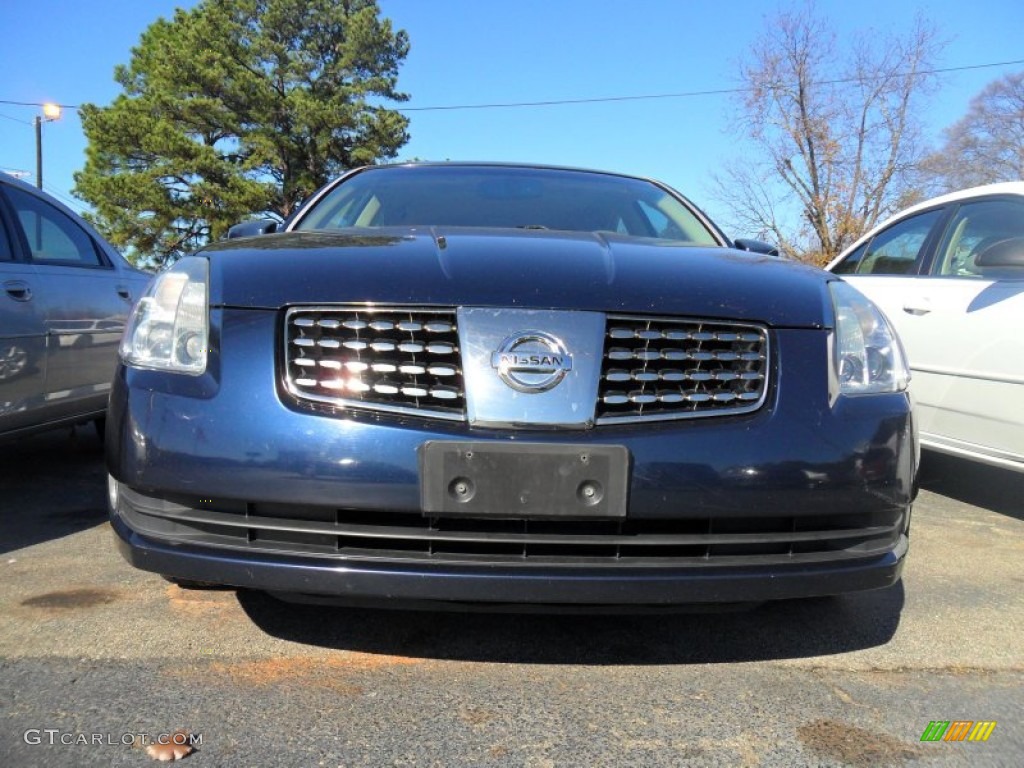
pixel 524 198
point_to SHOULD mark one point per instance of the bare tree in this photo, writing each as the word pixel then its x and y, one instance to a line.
pixel 987 144
pixel 834 135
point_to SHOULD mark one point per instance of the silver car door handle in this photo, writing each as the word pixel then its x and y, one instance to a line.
pixel 18 290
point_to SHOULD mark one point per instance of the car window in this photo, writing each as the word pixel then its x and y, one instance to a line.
pixel 667 219
pixel 899 249
pixel 506 198
pixel 849 265
pixel 973 229
pixel 6 253
pixel 51 235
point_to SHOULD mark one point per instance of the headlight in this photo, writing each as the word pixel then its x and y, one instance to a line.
pixel 169 328
pixel 868 355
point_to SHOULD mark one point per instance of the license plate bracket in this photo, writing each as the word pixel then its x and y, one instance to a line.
pixel 523 480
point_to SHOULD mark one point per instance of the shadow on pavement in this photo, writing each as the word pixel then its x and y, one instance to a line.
pixel 51 485
pixel 779 630
pixel 999 490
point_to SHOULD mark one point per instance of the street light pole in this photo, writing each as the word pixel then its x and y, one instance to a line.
pixel 39 151
pixel 50 112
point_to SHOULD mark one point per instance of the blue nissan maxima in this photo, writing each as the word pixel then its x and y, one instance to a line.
pixel 482 384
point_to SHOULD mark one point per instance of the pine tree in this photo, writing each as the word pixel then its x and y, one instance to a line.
pixel 238 108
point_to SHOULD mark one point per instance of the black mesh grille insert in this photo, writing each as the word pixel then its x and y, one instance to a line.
pixel 404 360
pixel 664 368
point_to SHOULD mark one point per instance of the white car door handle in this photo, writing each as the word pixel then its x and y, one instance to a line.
pixel 918 307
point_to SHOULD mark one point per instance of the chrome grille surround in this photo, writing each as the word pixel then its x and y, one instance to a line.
pixel 394 359
pixel 662 368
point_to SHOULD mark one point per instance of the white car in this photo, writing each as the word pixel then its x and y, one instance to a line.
pixel 949 274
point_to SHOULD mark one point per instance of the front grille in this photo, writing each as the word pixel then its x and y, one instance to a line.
pixel 320 531
pixel 399 360
pixel 669 368
pixel 409 361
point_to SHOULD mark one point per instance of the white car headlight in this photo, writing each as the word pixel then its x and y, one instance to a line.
pixel 169 328
pixel 868 356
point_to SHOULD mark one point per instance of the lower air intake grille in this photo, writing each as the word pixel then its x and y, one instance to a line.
pixel 399 360
pixel 672 368
pixel 316 531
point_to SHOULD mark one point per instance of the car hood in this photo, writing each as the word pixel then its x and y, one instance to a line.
pixel 524 269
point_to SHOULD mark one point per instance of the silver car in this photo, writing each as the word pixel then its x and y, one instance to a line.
pixel 64 297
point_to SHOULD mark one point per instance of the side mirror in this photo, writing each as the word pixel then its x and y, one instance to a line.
pixel 1004 253
pixel 252 228
pixel 756 246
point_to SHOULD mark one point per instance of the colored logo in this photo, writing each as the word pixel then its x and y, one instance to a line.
pixel 958 730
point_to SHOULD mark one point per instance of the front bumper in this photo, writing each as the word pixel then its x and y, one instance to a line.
pixel 222 479
pixel 393 582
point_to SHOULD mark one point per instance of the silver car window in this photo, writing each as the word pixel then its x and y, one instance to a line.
pixel 6 254
pixel 51 235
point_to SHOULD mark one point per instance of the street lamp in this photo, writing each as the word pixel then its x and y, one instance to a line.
pixel 50 112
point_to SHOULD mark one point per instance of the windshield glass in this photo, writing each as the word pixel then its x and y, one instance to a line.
pixel 524 198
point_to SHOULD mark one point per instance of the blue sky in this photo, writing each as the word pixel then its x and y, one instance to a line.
pixel 478 51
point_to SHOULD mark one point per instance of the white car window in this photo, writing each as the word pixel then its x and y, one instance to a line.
pixel 899 249
pixel 975 227
pixel 848 265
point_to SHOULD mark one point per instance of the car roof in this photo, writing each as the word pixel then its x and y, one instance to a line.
pixel 1001 188
pixel 14 181
pixel 507 165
